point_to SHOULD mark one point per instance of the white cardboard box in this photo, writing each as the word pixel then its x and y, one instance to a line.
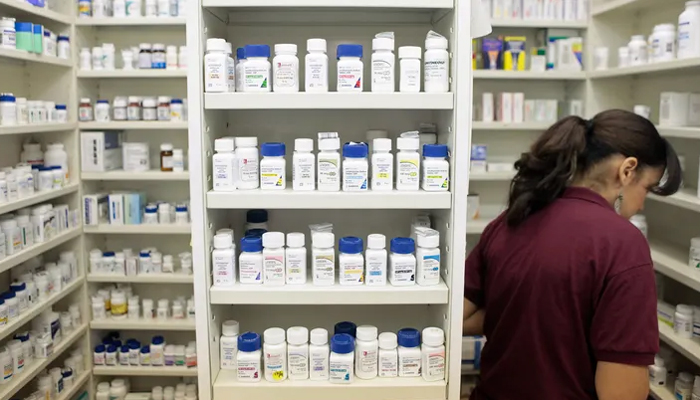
pixel 116 209
pixel 100 151
pixel 95 209
pixel 504 107
pixel 518 107
pixel 673 109
pixel 694 109
pixel 487 107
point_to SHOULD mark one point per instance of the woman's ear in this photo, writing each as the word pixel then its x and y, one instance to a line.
pixel 627 170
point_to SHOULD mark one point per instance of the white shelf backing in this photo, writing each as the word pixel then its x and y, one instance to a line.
pixel 36 128
pixel 689 348
pixel 24 9
pixel 227 386
pixel 679 132
pixel 291 199
pixel 37 249
pixel 131 21
pixel 529 75
pixel 34 58
pixel 134 370
pixel 332 4
pixel 492 176
pixel 328 101
pixel 134 73
pixel 128 125
pixel 661 393
pixel 154 175
pixel 143 229
pixel 505 126
pixel 685 198
pixel 309 294
pixel 538 23
pixel 651 68
pixel 143 324
pixel 673 263
pixel 37 197
pixel 142 278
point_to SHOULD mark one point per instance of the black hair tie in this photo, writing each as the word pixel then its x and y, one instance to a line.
pixel 589 128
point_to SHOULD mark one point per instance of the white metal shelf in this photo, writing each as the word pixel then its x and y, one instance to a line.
pixel 133 125
pixel 291 199
pixel 687 347
pixel 684 198
pixel 37 249
pixel 672 262
pixel 226 386
pixel 154 175
pixel 34 58
pixel 31 312
pixel 154 325
pixel 529 75
pixel 131 21
pixel 538 23
pixel 142 278
pixel 134 73
pixel 334 4
pixel 78 382
pixel 134 370
pixel 143 229
pixel 505 126
pixel 38 197
pixel 30 371
pixel 652 68
pixel 679 132
pixel 336 294
pixel 661 393
pixel 36 128
pixel 492 176
pixel 628 7
pixel 23 8
pixel 329 101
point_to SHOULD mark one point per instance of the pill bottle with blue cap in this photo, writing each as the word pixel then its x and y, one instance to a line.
pixel 256 70
pixel 436 168
pixel 402 262
pixel 240 56
pixel 427 257
pixel 355 167
pixel 342 359
pixel 23 36
pixel 350 68
pixel 351 263
pixel 249 358
pixel 345 327
pixel 409 352
pixel 273 167
pixel 250 261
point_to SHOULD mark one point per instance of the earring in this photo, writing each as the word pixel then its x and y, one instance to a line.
pixel 618 203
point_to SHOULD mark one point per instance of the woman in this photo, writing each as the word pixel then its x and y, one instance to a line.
pixel 561 283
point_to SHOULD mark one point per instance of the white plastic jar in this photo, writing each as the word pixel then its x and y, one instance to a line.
pixel 351 263
pixel 355 167
pixel 366 352
pixel 248 163
pixel 295 259
pixel 273 260
pixel 256 70
pixel 689 31
pixel 342 359
pixel 249 357
pixel 149 109
pixel 436 64
pixel 409 65
pixel 273 166
pixel 229 344
pixel 285 69
pixel 428 257
pixel 638 50
pixel 375 260
pixel 215 64
pixel 683 321
pixel 383 65
pixel 433 354
pixel 157 350
pixel 657 372
pixel 382 165
pixel 402 263
pixel 316 66
pixel 275 349
pixel 436 168
pixel 409 352
pixel 328 165
pixel 240 55
pixel 251 260
pixel 102 111
pixel 303 165
pixel 350 68
pixel 683 386
pixel 388 363
pixel 56 155
pixel 223 261
pixel 323 258
pixel 407 163
pixel 319 352
pixel 664 43
pixel 8 109
pixel 230 68
pixel 298 353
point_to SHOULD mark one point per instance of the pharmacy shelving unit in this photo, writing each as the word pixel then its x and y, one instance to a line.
pixel 157 185
pixel 40 77
pixel 284 117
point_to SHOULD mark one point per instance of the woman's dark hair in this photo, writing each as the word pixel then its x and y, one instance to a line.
pixel 570 147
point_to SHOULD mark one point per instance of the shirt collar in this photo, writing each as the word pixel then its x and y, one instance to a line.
pixel 585 194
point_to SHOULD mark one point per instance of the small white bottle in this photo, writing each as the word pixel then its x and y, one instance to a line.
pixel 433 354
pixel 329 165
pixel 224 165
pixel 275 349
pixel 304 165
pixel 273 259
pixel 215 64
pixel 355 167
pixel 223 261
pixel 409 65
pixel 273 167
pixel 428 257
pixel 375 260
pixel 366 352
pixel 230 69
pixel 249 357
pixel 250 261
pixel 383 64
pixel 683 321
pixel 319 352
pixel 382 165
pixel 341 361
pixel 689 31
pixel 407 164
pixel 683 386
pixel 316 66
pixel 295 259
pixel 285 69
pixel 323 258
pixel 436 168
pixel 248 163
pixel 436 64
pixel 256 70
pixel 388 355
pixel 657 372
pixel 240 55
pixel 350 68
pixel 229 344
pixel 402 263
pixel 638 50
pixel 298 353
pixel 409 352
pixel 351 264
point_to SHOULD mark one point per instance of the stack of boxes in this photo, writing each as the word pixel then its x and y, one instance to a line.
pixel 568 10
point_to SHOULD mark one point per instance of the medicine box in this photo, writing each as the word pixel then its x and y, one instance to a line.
pixel 116 209
pixel 504 107
pixel 518 107
pixel 100 151
pixel 95 209
pixel 491 49
pixel 472 347
pixel 478 158
pixel 514 54
pixel 133 204
pixel 694 109
pixel 674 108
pixel 487 107
pixel 472 206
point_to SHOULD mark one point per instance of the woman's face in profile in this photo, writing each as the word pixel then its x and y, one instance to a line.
pixel 634 193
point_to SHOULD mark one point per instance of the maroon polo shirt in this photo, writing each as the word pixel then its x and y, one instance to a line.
pixel 571 286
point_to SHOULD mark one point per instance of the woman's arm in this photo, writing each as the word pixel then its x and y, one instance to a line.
pixel 473 321
pixel 621 382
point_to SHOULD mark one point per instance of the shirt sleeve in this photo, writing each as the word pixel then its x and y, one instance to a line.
pixel 624 329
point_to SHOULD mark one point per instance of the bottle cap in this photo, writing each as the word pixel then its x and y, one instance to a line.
pixel 295 239
pixel 342 343
pixel 345 327
pixel 355 150
pixel 214 44
pixel 230 328
pixel 8 295
pixel 297 335
pixel 658 361
pixel 124 349
pixel 366 332
pixel 286 48
pixel 257 50
pixel 273 240
pixel 273 149
pixel 229 48
pixel 240 53
pixel 134 345
pixel 435 41
pixel 255 233
pixel 100 348
pixel 319 336
pixel 246 141
pixel 435 150
pixel 304 144
pixel 316 45
pixel 256 216
pixel 146 349
pixel 350 245
pixel 410 52
pixel 222 241
pixel 274 335
pixel 249 341
pixel 329 144
pixel 157 340
pixel 349 50
pixel 383 43
pixel 224 144
pixel 111 348
pixel 381 144
pixel 427 238
pixel 407 143
pixel 376 241
pixel 387 340
pixel 166 147
pixel 401 245
pixel 323 240
pixel 409 337
pixel 251 244
pixel 433 336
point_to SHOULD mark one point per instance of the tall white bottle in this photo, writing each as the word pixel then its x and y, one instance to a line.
pixel 316 66
pixel 224 165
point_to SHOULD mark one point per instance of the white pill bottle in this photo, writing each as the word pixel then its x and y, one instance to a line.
pixel 383 64
pixel 275 349
pixel 350 68
pixel 689 31
pixel 436 64
pixel 215 64
pixel 257 68
pixel 316 66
